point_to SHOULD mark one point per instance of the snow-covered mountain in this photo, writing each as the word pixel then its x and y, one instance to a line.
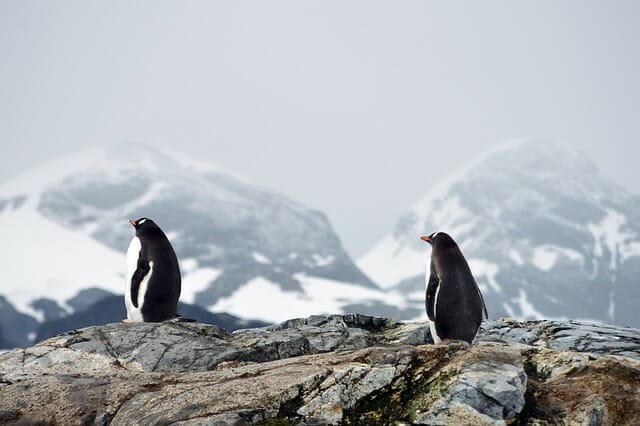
pixel 545 234
pixel 243 249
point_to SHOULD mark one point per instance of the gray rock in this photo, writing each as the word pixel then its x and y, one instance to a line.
pixel 594 338
pixel 485 384
pixel 335 369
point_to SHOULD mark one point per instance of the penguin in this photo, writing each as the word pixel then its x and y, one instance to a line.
pixel 153 275
pixel 454 303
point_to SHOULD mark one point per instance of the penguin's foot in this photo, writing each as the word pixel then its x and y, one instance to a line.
pixel 126 320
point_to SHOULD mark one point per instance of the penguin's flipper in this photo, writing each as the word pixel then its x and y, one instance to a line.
pixel 141 272
pixel 432 289
pixel 484 307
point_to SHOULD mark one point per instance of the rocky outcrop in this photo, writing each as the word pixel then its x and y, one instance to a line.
pixel 111 309
pixel 340 369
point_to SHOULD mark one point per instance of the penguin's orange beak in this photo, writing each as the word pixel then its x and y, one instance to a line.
pixel 427 239
pixel 132 222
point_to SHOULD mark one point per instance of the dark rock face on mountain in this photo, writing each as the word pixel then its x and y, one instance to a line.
pixel 545 234
pixel 86 298
pixel 340 369
pixel 16 326
pixel 4 343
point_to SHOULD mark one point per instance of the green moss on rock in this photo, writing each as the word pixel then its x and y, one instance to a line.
pixel 430 392
pixel 275 421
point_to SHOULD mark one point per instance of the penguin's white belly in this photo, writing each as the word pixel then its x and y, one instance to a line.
pixel 133 252
pixel 434 335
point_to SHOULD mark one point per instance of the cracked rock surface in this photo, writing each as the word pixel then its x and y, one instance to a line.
pixel 333 369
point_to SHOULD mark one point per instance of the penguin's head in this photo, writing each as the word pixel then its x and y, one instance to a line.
pixel 439 239
pixel 144 225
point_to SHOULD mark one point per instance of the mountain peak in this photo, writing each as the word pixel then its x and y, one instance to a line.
pixel 106 161
pixel 537 223
pixel 510 172
pixel 243 249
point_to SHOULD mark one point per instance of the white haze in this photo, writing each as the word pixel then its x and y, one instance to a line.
pixel 356 108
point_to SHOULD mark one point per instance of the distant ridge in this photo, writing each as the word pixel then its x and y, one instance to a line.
pixel 546 236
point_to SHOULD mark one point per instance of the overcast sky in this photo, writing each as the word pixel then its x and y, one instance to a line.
pixel 352 107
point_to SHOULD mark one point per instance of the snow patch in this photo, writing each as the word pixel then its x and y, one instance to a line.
pixel 418 296
pixel 510 312
pixel 571 254
pixel 527 310
pixel 319 296
pixel 609 234
pixel 489 270
pixel 172 235
pixel 631 249
pixel 90 227
pixel 390 262
pixel 49 260
pixel 323 260
pixel 544 258
pixel 30 310
pixel 515 257
pixel 188 265
pixel 261 258
pixel 196 280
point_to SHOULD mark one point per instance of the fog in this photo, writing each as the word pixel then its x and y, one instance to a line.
pixel 353 108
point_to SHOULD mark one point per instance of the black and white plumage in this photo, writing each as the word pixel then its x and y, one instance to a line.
pixel 153 275
pixel 454 303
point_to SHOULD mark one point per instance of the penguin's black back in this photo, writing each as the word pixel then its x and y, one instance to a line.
pixel 163 288
pixel 459 306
